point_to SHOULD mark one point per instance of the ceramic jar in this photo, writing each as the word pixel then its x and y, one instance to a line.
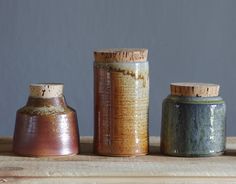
pixel 193 121
pixel 46 125
pixel 121 97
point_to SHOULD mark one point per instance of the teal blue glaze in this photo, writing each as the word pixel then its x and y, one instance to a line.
pixel 193 126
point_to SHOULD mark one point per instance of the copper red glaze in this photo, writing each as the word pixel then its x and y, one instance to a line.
pixel 46 127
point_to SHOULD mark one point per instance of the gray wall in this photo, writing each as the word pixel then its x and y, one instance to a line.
pixel 53 41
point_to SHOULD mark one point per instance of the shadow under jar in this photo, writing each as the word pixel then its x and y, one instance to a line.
pixel 46 126
pixel 121 94
pixel 193 121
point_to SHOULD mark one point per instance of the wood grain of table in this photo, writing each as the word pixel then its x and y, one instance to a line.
pixel 88 168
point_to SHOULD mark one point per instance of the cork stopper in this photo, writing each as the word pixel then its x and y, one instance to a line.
pixel 120 55
pixel 46 90
pixel 194 89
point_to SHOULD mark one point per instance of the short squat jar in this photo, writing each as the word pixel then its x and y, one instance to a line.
pixel 193 121
pixel 121 97
pixel 46 125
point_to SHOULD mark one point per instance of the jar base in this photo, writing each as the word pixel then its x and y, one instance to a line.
pixel 121 155
pixel 194 155
pixel 43 156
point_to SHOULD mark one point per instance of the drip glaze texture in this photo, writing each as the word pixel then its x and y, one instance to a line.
pixel 193 126
pixel 121 94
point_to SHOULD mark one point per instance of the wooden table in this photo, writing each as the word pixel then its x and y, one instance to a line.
pixel 88 168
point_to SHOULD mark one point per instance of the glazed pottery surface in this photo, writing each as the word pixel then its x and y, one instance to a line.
pixel 193 126
pixel 121 94
pixel 46 127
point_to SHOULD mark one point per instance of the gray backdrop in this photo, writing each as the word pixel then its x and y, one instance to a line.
pixel 53 41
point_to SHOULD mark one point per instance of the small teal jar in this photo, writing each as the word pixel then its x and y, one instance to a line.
pixel 193 121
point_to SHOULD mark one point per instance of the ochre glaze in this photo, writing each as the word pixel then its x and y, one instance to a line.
pixel 121 108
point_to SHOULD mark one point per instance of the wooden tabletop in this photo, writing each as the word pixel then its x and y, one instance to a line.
pixel 88 168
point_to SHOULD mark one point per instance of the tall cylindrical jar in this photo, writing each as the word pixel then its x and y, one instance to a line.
pixel 193 121
pixel 46 125
pixel 121 97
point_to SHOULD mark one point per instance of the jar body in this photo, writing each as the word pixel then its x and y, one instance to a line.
pixel 193 126
pixel 46 127
pixel 121 100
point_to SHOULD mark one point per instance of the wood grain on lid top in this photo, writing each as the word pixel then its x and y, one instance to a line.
pixel 121 55
pixel 194 89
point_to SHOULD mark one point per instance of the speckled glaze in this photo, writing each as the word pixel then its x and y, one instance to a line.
pixel 121 108
pixel 193 126
pixel 46 127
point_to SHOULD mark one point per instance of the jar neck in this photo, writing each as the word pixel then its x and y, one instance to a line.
pixel 46 102
pixel 195 100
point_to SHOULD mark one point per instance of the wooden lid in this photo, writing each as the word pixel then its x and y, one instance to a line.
pixel 120 55
pixel 194 89
pixel 46 90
